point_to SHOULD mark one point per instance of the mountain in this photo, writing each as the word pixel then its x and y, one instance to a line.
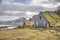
pixel 13 22
pixel 22 19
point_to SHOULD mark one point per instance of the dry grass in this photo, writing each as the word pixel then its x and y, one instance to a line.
pixel 28 34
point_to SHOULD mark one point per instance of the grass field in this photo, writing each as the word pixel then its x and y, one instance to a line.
pixel 29 34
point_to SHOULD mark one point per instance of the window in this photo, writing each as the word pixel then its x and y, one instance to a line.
pixel 40 17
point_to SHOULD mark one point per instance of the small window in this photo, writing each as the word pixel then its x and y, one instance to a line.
pixel 40 17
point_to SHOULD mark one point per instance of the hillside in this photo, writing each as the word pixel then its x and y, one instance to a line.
pixel 53 18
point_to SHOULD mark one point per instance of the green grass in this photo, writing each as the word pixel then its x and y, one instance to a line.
pixel 53 18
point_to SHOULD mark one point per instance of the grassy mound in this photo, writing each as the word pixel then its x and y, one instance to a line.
pixel 53 18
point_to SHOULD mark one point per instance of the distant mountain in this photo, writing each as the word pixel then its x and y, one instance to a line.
pixel 58 10
pixel 22 19
pixel 13 22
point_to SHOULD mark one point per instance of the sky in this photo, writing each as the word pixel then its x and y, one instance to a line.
pixel 19 8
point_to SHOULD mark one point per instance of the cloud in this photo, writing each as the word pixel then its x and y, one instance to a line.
pixel 13 8
pixel 30 14
pixel 0 1
pixel 8 18
pixel 21 1
pixel 45 3
pixel 33 5
pixel 7 6
pixel 14 13
pixel 54 1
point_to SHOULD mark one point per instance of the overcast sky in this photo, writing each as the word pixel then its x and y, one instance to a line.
pixel 19 7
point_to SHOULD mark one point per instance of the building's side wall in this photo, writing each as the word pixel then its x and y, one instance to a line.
pixel 40 23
